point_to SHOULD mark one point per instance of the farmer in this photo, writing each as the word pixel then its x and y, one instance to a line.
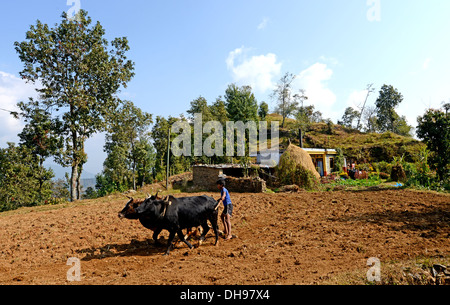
pixel 227 208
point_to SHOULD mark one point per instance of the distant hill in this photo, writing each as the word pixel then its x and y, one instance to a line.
pixel 363 147
pixel 60 171
pixel 86 183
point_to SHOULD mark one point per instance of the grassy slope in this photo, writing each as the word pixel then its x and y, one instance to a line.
pixel 365 147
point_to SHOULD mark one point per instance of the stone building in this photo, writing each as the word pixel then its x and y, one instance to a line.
pixel 206 176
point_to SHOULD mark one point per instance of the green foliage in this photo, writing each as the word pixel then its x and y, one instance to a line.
pixel 200 105
pixel 39 134
pixel 287 102
pixel 22 181
pixel 387 117
pixel 60 189
pixel 306 116
pixel 349 117
pixel 130 154
pixel 339 160
pixel 90 193
pixel 80 72
pixel 383 167
pixel 215 112
pixel 289 172
pixel 241 104
pixel 219 111
pixel 372 181
pixel 420 175
pixel 105 185
pixel 434 129
pixel 263 110
pixel 159 134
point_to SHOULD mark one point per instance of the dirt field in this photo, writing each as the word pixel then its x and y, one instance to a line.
pixel 301 238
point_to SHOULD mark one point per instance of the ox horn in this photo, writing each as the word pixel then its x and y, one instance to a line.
pixel 167 203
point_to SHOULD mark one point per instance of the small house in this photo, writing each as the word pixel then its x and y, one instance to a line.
pixel 323 159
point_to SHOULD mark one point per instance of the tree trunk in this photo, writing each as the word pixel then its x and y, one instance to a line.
pixel 73 182
pixel 80 170
pixel 75 163
pixel 134 175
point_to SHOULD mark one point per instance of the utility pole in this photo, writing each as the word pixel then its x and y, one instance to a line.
pixel 168 158
pixel 370 89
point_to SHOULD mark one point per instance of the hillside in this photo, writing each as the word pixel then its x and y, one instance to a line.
pixel 364 147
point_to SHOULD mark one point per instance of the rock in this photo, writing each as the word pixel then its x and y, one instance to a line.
pixel 290 188
pixel 130 192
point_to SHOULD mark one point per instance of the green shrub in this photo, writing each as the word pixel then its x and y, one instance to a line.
pixel 383 167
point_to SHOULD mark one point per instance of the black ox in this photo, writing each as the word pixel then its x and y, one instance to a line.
pixel 174 215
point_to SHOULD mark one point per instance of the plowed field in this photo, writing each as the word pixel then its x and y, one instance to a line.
pixel 299 238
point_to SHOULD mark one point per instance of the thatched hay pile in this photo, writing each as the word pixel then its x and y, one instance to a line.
pixel 398 173
pixel 296 167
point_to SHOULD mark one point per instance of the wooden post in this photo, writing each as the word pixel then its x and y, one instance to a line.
pixel 168 159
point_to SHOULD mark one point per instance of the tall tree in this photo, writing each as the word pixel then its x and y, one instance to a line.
pixel 200 105
pixel 126 141
pixel 349 117
pixel 282 94
pixel 39 137
pixel 434 130
pixel 80 73
pixel 241 104
pixel 263 110
pixel 219 111
pixel 306 115
pixel 159 133
pixel 387 117
pixel 370 119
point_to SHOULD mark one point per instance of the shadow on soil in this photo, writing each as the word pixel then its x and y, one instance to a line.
pixel 135 248
pixel 429 222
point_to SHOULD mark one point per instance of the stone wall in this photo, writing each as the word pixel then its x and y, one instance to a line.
pixel 246 185
pixel 205 177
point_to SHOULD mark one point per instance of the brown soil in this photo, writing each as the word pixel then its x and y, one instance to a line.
pixel 301 238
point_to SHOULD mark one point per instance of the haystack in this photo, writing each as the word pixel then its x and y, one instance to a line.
pixel 300 157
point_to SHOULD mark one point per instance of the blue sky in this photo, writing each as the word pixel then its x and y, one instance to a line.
pixel 184 49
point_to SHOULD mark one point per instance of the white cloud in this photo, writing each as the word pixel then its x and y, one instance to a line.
pixel 12 91
pixel 356 99
pixel 314 81
pixel 331 60
pixel 263 24
pixel 257 71
pixel 426 64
